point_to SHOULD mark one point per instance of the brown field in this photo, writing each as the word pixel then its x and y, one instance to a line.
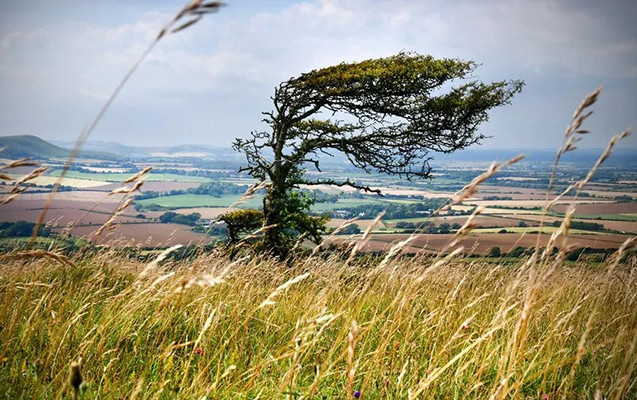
pixel 602 185
pixel 484 242
pixel 514 196
pixel 17 171
pixel 486 221
pixel 51 180
pixel 63 211
pixel 78 195
pixel 626 226
pixel 511 211
pixel 528 203
pixel 609 193
pixel 146 235
pixel 600 208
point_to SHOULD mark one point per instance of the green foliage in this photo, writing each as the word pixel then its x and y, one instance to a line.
pixel 175 218
pixel 297 220
pixel 241 222
pixel 21 229
pixel 417 209
pixel 583 225
pixel 517 252
pixel 624 198
pixel 495 251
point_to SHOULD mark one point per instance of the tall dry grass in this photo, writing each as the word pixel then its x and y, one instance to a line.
pixel 257 328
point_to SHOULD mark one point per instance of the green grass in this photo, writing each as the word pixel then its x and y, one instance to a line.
pixel 120 177
pixel 609 217
pixel 196 200
pixel 40 242
pixel 601 217
pixel 246 329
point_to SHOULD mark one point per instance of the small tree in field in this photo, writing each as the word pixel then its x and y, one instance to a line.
pixel 385 115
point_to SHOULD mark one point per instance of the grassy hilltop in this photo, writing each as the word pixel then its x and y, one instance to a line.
pixel 254 328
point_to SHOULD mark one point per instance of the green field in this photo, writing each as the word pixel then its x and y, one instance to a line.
pixel 348 203
pixel 197 200
pixel 40 242
pixel 609 217
pixel 120 177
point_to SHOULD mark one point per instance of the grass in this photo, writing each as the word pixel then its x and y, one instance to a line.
pixel 121 177
pixel 609 217
pixel 205 329
pixel 196 200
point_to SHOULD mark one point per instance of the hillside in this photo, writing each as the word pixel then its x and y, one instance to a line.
pixel 20 146
pixel 319 327
pixel 200 151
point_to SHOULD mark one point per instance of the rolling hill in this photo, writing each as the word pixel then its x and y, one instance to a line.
pixel 20 146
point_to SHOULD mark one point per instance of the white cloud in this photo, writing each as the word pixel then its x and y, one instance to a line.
pixel 243 56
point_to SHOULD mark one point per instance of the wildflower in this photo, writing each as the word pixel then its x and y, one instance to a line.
pixel 357 394
pixel 199 351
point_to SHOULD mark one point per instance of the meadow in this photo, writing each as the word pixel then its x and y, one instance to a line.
pixel 322 327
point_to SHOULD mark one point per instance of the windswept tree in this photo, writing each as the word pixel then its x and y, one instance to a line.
pixel 385 115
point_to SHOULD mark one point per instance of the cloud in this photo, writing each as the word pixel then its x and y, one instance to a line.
pixel 230 62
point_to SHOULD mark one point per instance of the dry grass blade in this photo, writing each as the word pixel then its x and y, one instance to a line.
pixel 607 152
pixel 23 162
pixel 334 233
pixel 139 175
pixel 351 368
pixel 395 249
pixel 365 238
pixel 38 254
pixel 161 257
pixel 269 301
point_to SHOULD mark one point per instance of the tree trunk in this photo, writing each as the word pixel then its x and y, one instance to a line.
pixel 273 209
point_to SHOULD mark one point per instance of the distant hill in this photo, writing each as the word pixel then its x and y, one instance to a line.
pixel 182 150
pixel 20 146
pixel 620 156
pixel 35 147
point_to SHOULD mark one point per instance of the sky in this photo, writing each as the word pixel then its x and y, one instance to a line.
pixel 60 60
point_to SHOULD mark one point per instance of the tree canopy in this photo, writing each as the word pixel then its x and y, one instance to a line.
pixel 385 115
